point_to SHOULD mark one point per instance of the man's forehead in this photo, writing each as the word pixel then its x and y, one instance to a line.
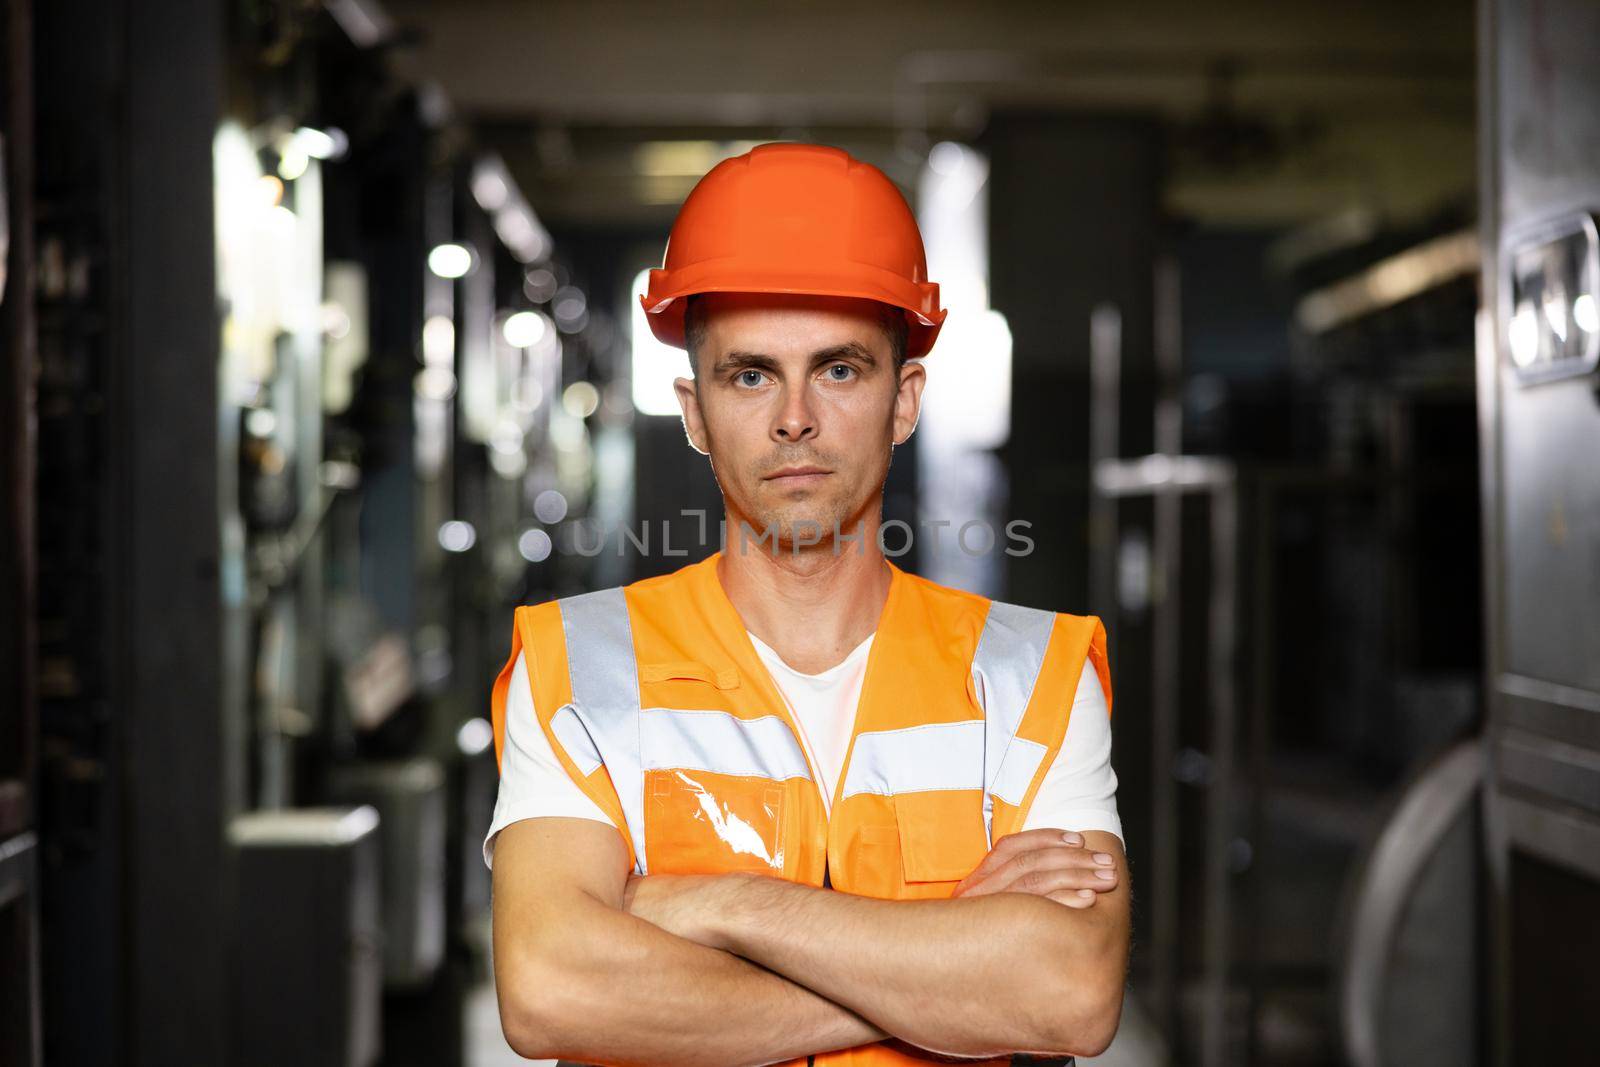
pixel 772 321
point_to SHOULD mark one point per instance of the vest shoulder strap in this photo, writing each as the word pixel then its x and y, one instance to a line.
pixel 604 672
pixel 580 663
pixel 1027 665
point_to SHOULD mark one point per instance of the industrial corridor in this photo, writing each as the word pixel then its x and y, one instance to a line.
pixel 829 534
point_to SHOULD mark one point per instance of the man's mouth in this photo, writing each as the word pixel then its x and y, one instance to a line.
pixel 797 475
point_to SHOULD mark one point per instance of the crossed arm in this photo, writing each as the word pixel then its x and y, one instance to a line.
pixel 596 966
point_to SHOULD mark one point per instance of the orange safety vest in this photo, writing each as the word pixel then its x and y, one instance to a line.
pixel 658 706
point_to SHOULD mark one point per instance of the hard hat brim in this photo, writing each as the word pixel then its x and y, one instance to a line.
pixel 665 297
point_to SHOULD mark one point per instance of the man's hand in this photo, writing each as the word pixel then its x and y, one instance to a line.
pixel 1045 862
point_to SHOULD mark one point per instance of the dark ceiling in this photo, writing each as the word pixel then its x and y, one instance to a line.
pixel 1278 113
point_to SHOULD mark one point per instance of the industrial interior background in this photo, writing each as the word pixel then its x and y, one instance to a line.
pixel 1277 322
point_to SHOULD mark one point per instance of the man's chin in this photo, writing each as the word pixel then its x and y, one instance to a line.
pixel 797 533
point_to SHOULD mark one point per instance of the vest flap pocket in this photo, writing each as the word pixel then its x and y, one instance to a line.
pixel 701 822
pixel 941 834
pixel 689 670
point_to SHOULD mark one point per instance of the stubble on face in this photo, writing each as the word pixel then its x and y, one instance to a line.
pixel 854 426
pixel 797 517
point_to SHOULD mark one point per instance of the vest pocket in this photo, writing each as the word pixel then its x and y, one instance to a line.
pixel 702 822
pixel 941 834
pixel 689 670
pixel 913 845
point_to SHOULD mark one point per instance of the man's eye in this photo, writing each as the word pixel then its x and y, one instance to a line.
pixel 845 367
pixel 749 377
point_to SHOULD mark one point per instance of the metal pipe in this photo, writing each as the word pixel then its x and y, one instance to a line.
pixel 1105 391
pixel 1219 808
pixel 1165 476
pixel 1167 650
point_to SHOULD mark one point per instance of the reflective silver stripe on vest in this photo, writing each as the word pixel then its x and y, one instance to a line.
pixel 676 739
pixel 941 755
pixel 1017 767
pixel 574 737
pixel 1005 669
pixel 605 694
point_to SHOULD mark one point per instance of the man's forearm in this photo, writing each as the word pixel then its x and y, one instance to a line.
pixel 624 991
pixel 972 976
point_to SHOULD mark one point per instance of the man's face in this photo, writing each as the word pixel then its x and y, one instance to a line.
pixel 798 405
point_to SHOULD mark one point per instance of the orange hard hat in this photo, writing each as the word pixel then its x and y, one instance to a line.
pixel 796 218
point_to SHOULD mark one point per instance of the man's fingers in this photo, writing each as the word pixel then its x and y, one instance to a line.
pixel 1075 898
pixel 1016 844
pixel 1043 882
pixel 1043 870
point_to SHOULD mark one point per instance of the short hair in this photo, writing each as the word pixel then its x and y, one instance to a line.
pixel 891 318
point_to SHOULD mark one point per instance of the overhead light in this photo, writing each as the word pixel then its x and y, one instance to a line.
pixel 474 736
pixel 580 399
pixel 539 285
pixel 513 218
pixel 947 158
pixel 1555 313
pixel 1525 335
pixel 534 545
pixel 261 422
pixel 507 437
pixel 363 21
pixel 550 506
pixel 526 394
pixel 524 329
pixel 293 160
pixel 1552 284
pixel 571 309
pixel 489 189
pixel 685 159
pixel 515 225
pixel 271 189
pixel 457 536
pixel 434 383
pixel 1390 281
pixel 1585 315
pixel 335 320
pixel 450 260
pixel 508 464
pixel 322 144
pixel 438 341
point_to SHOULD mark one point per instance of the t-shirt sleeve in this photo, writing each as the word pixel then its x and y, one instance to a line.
pixel 1079 791
pixel 532 781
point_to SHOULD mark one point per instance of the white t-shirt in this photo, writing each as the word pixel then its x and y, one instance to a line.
pixel 1079 791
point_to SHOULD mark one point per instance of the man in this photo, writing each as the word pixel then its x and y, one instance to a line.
pixel 793 804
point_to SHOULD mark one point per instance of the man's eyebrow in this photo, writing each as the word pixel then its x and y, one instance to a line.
pixel 741 360
pixel 849 348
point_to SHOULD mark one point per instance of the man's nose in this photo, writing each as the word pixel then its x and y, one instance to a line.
pixel 796 420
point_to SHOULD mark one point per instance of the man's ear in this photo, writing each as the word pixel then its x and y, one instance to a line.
pixel 908 400
pixel 694 424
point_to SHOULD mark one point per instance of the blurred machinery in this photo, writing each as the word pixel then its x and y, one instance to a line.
pixel 20 1027
pixel 1285 582
pixel 275 559
pixel 1539 403
pixel 310 927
